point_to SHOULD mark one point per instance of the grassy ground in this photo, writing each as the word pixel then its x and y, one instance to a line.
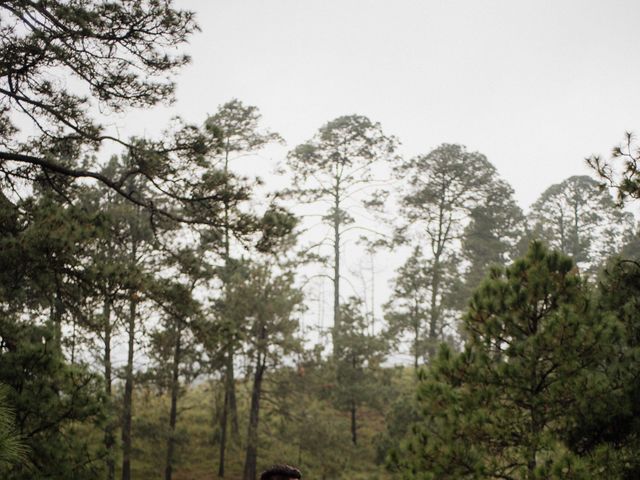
pixel 307 430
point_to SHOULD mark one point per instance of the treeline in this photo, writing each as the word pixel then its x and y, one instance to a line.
pixel 151 305
pixel 109 308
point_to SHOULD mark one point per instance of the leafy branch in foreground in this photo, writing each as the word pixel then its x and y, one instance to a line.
pixel 11 448
pixel 118 55
pixel 627 181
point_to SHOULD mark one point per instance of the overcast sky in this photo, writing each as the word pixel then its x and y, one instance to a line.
pixel 534 85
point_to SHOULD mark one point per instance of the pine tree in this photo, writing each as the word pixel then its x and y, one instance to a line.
pixel 408 309
pixel 501 408
pixel 444 186
pixel 358 364
pixel 53 402
pixel 494 236
pixel 606 430
pixel 174 350
pixel 12 449
pixel 580 219
pixel 237 132
pixel 334 168
pixel 267 303
pixel 627 181
pixel 119 56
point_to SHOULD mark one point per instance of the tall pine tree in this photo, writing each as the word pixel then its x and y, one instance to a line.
pixel 500 408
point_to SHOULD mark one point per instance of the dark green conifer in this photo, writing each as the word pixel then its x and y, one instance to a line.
pixel 501 407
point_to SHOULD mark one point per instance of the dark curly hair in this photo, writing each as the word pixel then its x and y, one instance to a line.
pixel 281 472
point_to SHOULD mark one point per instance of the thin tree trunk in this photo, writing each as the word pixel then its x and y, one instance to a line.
pixel 223 431
pixel 336 273
pixel 532 449
pixel 535 422
pixel 233 405
pixel 576 240
pixel 437 249
pixel 434 314
pixel 531 464
pixel 128 393
pixel 56 313
pixel 127 406
pixel 254 417
pixel 373 296
pixel 354 424
pixel 228 410
pixel 563 241
pixel 73 339
pixel 353 409
pixel 231 385
pixel 416 336
pixel 109 433
pixel 416 346
pixel 173 413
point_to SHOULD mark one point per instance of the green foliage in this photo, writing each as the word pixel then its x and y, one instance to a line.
pixel 12 449
pixel 493 236
pixel 119 55
pixel 409 309
pixel 501 407
pixel 235 131
pixel 359 360
pixel 276 226
pixel 333 169
pixel 403 414
pixel 299 424
pixel 52 400
pixel 627 182
pixel 580 219
pixel 343 149
pixel 43 243
pixel 268 305
pixel 607 429
pixel 238 130
pixel 444 186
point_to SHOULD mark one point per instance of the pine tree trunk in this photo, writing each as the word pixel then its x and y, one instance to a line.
pixel 576 240
pixel 354 424
pixel 57 308
pixel 230 409
pixel 173 413
pixel 223 432
pixel 353 409
pixel 415 353
pixel 416 338
pixel 229 374
pixel 437 248
pixel 563 237
pixel 535 421
pixel 336 273
pixel 532 450
pixel 230 385
pixel 109 434
pixel 250 469
pixel 233 405
pixel 128 393
pixel 127 406
pixel 434 314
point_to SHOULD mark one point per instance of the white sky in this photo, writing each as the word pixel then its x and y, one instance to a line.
pixel 534 85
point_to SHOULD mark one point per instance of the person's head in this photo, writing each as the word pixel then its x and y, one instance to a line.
pixel 281 472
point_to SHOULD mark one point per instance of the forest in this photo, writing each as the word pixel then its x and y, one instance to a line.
pixel 162 308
